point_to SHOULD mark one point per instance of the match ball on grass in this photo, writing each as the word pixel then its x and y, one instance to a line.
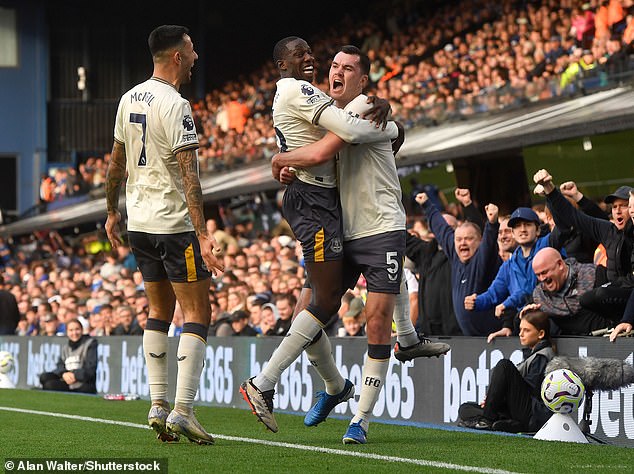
pixel 562 391
pixel 6 362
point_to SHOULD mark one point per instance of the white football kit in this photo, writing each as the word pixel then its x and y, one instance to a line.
pixel 154 122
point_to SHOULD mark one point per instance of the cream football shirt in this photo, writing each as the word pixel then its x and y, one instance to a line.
pixel 154 122
pixel 369 188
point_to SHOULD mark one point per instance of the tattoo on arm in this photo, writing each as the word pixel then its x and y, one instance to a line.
pixel 191 186
pixel 115 176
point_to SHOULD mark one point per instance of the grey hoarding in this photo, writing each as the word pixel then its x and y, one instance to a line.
pixel 426 391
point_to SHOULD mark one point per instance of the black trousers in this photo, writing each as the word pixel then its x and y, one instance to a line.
pixel 509 396
pixel 52 381
pixel 609 301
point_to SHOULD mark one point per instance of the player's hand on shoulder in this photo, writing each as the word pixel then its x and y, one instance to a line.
pixel 380 111
pixel 397 143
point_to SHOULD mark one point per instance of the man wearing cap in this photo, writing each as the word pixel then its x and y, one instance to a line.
pixel 240 324
pixel 515 280
pixel 617 237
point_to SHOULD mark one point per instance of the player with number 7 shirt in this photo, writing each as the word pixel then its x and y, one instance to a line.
pixel 155 143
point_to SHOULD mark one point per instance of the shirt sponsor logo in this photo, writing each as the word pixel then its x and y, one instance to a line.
pixel 313 100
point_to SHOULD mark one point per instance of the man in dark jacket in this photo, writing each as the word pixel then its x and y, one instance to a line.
pixel 9 314
pixel 617 237
pixel 240 324
pixel 127 325
pixel 436 316
pixel 474 262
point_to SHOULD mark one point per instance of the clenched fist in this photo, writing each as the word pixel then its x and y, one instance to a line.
pixel 463 196
pixel 569 188
pixel 422 198
pixel 492 213
pixel 469 302
pixel 544 178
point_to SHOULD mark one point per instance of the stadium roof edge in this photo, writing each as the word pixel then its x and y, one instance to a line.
pixel 602 112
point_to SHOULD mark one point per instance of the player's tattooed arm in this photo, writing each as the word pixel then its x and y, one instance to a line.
pixel 188 163
pixel 114 177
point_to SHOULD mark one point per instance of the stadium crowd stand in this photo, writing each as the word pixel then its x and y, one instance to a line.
pixel 452 62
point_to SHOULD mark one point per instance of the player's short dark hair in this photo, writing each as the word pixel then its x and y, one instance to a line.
pixel 364 61
pixel 280 49
pixel 166 37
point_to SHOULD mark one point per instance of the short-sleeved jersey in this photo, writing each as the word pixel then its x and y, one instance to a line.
pixel 369 188
pixel 296 109
pixel 154 122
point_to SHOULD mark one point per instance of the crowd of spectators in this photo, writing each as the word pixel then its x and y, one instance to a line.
pixel 55 281
pixel 435 62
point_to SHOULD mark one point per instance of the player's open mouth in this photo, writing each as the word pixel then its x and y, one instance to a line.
pixel 337 85
pixel 309 69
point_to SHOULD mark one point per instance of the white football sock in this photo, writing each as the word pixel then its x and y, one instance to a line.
pixel 303 330
pixel 372 379
pixel 155 350
pixel 405 331
pixel 191 359
pixel 320 356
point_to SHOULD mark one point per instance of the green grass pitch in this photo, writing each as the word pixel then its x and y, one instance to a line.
pixel 240 442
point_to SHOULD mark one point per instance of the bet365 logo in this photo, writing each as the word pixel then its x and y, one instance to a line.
pixel 372 382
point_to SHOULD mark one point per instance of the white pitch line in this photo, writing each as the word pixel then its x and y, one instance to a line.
pixel 340 452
